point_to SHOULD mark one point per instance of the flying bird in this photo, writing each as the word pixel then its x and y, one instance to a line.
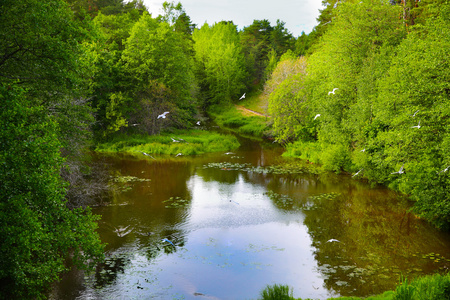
pixel 146 154
pixel 166 240
pixel 174 140
pixel 229 153
pixel 363 150
pixel 318 115
pixel 356 174
pixel 415 113
pixel 417 126
pixel 163 115
pixel 242 97
pixel 198 123
pixel 179 154
pixel 445 170
pixel 399 171
pixel 332 240
pixel 332 92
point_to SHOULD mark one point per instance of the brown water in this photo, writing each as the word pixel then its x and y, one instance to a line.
pixel 236 226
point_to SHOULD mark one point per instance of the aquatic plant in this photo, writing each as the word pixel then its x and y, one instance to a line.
pixel 277 292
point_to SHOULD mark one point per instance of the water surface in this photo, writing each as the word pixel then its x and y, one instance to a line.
pixel 235 225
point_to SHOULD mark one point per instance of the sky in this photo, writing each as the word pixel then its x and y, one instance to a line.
pixel 299 15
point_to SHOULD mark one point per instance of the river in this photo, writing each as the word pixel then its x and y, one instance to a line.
pixel 223 226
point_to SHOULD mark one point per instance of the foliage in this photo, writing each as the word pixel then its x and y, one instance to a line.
pixel 390 77
pixel 37 228
pixel 219 63
pixel 287 98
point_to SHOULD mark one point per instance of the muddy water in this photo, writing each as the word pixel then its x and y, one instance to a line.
pixel 223 226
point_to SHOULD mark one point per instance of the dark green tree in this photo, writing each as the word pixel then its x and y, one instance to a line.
pixel 38 231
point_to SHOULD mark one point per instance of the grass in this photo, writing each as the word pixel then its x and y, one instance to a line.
pixel 431 287
pixel 230 117
pixel 258 103
pixel 189 142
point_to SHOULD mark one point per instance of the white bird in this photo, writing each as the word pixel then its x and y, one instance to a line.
pixel 174 140
pixel 356 174
pixel 163 115
pixel 198 123
pixel 332 92
pixel 332 240
pixel 399 171
pixel 134 124
pixel 318 115
pixel 166 240
pixel 445 170
pixel 179 154
pixel 417 126
pixel 363 150
pixel 146 154
pixel 242 97
pixel 228 153
pixel 415 113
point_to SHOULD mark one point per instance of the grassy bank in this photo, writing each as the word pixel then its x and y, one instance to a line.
pixel 186 142
pixel 239 121
pixel 432 287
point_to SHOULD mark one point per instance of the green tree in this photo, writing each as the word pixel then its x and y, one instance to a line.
pixel 416 89
pixel 287 99
pixel 37 230
pixel 219 67
pixel 155 52
pixel 359 32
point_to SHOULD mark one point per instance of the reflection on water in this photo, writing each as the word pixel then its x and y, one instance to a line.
pixel 224 226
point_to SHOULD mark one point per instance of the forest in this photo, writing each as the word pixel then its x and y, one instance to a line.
pixel 365 93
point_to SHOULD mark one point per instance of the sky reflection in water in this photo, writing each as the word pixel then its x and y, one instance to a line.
pixel 235 231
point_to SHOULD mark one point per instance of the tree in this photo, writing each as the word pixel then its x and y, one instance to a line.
pixel 416 89
pixel 154 52
pixel 219 63
pixel 360 31
pixel 287 99
pixel 37 229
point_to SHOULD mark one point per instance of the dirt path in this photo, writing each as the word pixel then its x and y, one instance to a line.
pixel 248 112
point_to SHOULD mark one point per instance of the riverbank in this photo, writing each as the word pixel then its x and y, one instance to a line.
pixel 179 142
pixel 248 117
pixel 427 287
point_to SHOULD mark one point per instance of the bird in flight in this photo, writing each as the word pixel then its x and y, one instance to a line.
pixel 146 154
pixel 417 126
pixel 198 123
pixel 318 115
pixel 179 154
pixel 356 174
pixel 332 240
pixel 174 140
pixel 242 97
pixel 415 113
pixel 163 115
pixel 399 171
pixel 445 170
pixel 332 92
pixel 363 150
